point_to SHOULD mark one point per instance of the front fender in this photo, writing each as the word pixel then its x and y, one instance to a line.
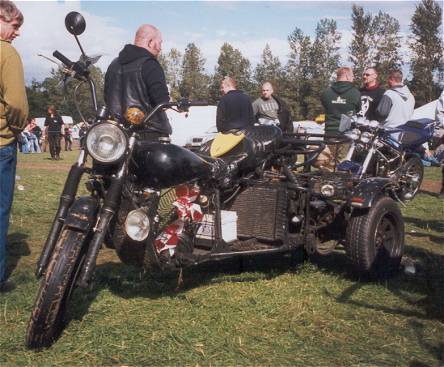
pixel 83 213
pixel 365 193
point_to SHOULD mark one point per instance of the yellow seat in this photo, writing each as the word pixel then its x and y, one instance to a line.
pixel 224 142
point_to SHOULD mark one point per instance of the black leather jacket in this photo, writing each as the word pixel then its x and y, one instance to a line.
pixel 136 78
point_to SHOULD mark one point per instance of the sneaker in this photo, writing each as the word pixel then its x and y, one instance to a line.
pixel 7 286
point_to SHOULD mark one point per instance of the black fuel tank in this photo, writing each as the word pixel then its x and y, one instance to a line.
pixel 165 165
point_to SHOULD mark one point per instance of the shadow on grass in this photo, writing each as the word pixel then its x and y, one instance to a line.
pixel 436 351
pixel 427 281
pixel 434 225
pixel 16 248
pixel 129 282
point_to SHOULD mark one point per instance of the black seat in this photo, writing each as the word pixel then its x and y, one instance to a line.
pixel 264 138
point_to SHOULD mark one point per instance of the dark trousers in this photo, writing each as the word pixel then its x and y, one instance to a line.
pixel 54 144
pixel 68 143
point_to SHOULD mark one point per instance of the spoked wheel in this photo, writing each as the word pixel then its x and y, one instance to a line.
pixel 411 178
pixel 48 315
pixel 375 239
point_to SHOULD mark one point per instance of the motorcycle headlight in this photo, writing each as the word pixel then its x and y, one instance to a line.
pixel 366 137
pixel 137 225
pixel 106 142
pixel 353 134
pixel 327 190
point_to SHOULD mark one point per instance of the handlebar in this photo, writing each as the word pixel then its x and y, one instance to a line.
pixel 199 103
pixel 182 105
pixel 59 56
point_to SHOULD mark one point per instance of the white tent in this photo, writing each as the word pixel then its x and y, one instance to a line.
pixel 426 111
pixel 66 119
pixel 196 122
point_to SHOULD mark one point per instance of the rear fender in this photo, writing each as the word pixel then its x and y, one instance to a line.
pixel 368 190
pixel 83 213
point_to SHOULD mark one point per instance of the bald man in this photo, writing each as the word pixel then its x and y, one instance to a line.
pixel 270 109
pixel 136 79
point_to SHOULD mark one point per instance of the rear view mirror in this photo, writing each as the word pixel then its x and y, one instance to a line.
pixel 75 23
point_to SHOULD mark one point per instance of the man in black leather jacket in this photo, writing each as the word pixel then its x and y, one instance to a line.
pixel 136 79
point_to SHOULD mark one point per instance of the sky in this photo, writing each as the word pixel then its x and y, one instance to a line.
pixel 247 25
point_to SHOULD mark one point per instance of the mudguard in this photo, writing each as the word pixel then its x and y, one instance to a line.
pixel 365 193
pixel 83 213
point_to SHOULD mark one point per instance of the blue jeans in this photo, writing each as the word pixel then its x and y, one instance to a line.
pixel 8 162
pixel 25 143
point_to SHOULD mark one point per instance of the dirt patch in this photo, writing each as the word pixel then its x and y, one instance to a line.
pixel 50 166
pixel 431 186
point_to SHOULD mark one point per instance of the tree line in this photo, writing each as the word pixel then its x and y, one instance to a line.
pixel 376 41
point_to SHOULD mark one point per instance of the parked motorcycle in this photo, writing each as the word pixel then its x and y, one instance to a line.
pixel 394 154
pixel 163 207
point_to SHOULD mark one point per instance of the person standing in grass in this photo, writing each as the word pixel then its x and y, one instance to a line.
pixel 136 78
pixel 269 109
pixel 340 98
pixel 68 139
pixel 234 110
pixel 55 129
pixel 13 113
pixel 371 94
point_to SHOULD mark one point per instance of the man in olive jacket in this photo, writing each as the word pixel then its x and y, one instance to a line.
pixel 340 98
pixel 13 114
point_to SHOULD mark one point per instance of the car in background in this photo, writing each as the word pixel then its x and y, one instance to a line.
pixel 195 142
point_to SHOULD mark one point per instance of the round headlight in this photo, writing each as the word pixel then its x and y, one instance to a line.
pixel 106 142
pixel 137 225
pixel 327 190
pixel 365 137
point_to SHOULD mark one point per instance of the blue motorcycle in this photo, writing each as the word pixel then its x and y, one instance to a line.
pixel 394 154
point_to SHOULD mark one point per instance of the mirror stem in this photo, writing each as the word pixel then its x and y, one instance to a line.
pixel 80 46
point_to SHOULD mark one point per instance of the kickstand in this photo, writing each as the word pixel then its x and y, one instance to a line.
pixel 179 279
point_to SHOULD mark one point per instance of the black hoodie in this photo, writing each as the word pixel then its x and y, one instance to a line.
pixel 152 76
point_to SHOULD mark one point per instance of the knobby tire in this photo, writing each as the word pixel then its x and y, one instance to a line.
pixel 48 315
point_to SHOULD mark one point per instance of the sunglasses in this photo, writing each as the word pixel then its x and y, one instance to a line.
pixel 366 74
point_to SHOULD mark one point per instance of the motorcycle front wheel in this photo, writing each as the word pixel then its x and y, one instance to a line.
pixel 412 174
pixel 48 315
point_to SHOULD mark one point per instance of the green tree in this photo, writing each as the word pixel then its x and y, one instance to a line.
pixel 427 65
pixel 360 45
pixel 376 42
pixel 269 68
pixel 172 66
pixel 231 63
pixel 297 74
pixel 37 99
pixel 62 94
pixel 386 43
pixel 194 83
pixel 324 60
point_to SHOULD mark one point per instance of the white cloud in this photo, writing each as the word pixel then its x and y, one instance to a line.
pixel 44 32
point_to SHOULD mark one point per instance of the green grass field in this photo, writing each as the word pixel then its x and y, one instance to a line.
pixel 270 314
